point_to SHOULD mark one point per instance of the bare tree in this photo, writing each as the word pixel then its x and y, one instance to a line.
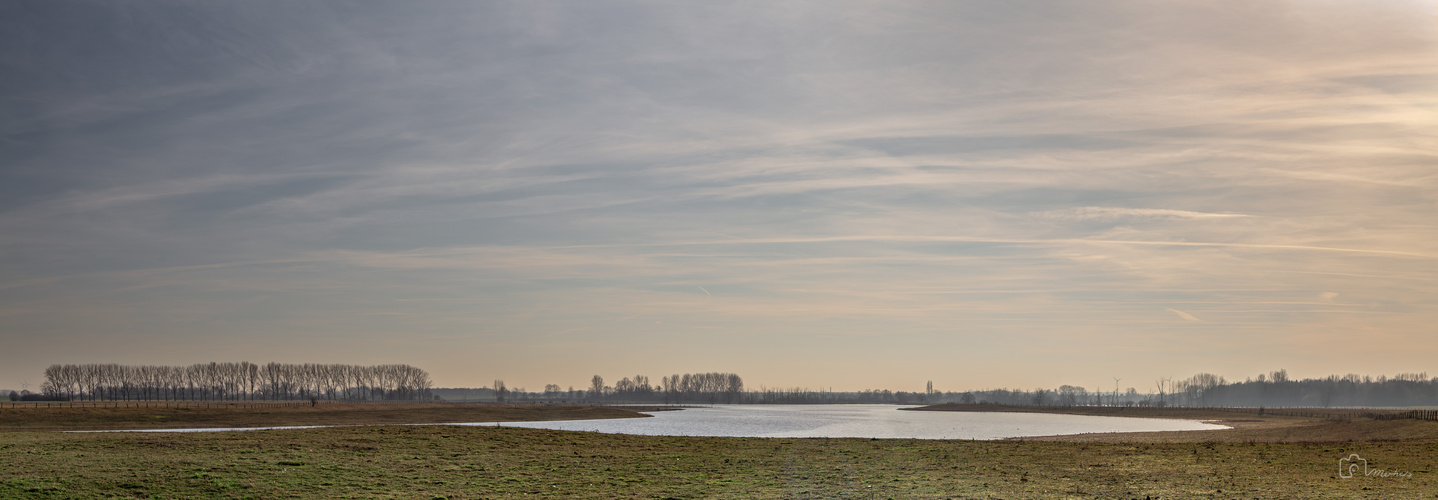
pixel 242 380
pixel 596 388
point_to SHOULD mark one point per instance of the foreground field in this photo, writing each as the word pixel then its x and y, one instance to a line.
pixel 503 462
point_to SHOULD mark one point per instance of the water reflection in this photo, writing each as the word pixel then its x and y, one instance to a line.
pixel 863 421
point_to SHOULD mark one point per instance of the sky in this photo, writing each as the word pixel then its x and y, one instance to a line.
pixel 823 194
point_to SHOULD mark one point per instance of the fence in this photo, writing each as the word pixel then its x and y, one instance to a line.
pixel 1429 415
pixel 1331 413
pixel 1349 414
pixel 1287 411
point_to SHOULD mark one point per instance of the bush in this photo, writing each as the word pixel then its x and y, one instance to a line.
pixel 42 397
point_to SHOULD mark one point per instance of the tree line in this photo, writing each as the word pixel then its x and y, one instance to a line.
pixel 1204 389
pixel 705 388
pixel 236 381
pixel 1275 388
pixel 710 388
pixel 696 387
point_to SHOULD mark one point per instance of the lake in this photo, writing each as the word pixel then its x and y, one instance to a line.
pixel 861 421
pixel 835 421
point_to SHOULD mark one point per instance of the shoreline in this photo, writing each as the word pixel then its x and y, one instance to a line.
pixel 1244 425
pixel 334 414
pixel 1247 425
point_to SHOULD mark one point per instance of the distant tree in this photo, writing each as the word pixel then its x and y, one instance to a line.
pixel 1071 395
pixel 596 387
pixel 500 392
pixel 14 396
pixel 670 386
pixel 1279 376
pixel 733 387
pixel 1326 389
pixel 624 387
pixel 1198 387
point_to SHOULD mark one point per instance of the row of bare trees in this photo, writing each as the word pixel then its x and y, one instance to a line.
pixel 713 387
pixel 1275 388
pixel 800 395
pixel 708 388
pixel 236 381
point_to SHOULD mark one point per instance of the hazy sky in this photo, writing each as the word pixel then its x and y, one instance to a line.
pixel 982 194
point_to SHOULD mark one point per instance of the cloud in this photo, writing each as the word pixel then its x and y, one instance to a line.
pixel 1112 213
pixel 1185 316
pixel 967 177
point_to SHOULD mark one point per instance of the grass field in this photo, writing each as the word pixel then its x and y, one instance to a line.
pixel 489 462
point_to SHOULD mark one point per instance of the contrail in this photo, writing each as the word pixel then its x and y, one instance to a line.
pixel 706 292
pixel 1183 315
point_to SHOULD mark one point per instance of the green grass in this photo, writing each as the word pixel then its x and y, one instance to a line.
pixel 489 462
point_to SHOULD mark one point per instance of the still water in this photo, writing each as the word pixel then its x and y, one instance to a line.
pixel 863 421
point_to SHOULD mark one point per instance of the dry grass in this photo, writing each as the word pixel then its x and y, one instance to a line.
pixel 1269 457
pixel 489 462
